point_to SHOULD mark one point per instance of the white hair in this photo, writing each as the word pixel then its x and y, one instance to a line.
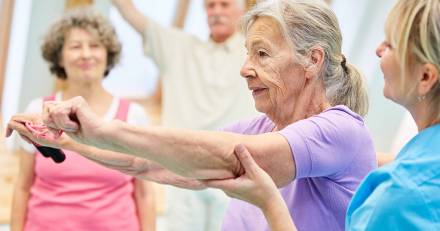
pixel 307 24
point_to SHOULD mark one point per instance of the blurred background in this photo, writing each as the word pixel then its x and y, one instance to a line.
pixel 24 75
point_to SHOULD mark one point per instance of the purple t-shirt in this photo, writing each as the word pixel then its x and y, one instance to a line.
pixel 333 152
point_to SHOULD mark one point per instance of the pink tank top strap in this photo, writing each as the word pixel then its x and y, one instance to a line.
pixel 49 98
pixel 122 112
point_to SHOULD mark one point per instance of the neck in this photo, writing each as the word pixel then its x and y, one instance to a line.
pixel 421 115
pixel 310 102
pixel 221 38
pixel 94 93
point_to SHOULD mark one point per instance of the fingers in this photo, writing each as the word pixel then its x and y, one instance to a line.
pixel 20 128
pixel 59 115
pixel 246 159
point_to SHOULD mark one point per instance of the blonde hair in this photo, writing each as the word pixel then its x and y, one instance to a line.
pixel 308 24
pixel 413 29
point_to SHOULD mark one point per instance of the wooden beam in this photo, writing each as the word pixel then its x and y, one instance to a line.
pixel 7 8
pixel 250 4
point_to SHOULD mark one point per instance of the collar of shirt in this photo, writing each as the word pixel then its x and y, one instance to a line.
pixel 236 40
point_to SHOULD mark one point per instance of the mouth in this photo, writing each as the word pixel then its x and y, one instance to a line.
pixel 256 91
pixel 86 66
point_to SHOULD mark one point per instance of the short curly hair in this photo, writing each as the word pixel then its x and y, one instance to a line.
pixel 83 18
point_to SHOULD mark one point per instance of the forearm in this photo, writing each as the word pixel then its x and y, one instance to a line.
pixel 19 209
pixel 277 215
pixel 131 14
pixel 146 205
pixel 134 166
pixel 201 155
pixel 158 174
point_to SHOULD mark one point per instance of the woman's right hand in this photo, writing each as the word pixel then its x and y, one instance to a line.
pixel 76 119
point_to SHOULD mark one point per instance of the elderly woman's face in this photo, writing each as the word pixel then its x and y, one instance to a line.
pixel 84 57
pixel 271 71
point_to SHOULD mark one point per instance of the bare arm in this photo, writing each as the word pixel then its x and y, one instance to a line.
pixel 384 158
pixel 194 154
pixel 131 14
pixel 201 154
pixel 134 166
pixel 145 204
pixel 22 191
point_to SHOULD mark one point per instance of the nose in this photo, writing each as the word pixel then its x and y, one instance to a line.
pixel 247 70
pixel 86 51
pixel 380 49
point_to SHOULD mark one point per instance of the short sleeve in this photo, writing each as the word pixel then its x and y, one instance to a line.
pixel 34 107
pixel 137 115
pixel 163 44
pixel 396 208
pixel 324 144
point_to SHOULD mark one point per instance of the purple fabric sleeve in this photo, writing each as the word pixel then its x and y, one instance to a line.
pixel 323 145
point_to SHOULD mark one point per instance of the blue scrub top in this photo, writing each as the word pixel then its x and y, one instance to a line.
pixel 403 195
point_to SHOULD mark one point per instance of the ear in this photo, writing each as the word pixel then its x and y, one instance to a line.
pixel 316 59
pixel 428 76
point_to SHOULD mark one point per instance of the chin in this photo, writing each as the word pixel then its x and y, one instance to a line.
pixel 220 31
pixel 261 108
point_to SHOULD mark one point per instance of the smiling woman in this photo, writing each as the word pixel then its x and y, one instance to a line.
pixel 81 48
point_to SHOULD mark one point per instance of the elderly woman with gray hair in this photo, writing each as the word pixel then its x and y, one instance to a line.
pixel 311 140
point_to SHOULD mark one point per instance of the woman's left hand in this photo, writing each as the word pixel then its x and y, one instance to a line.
pixel 254 186
pixel 31 129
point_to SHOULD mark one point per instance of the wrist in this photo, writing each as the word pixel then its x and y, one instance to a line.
pixel 107 135
pixel 272 204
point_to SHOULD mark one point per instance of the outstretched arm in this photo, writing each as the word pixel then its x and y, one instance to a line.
pixel 131 14
pixel 135 166
pixel 194 154
pixel 256 187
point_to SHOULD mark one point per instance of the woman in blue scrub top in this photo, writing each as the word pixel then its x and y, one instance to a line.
pixel 405 194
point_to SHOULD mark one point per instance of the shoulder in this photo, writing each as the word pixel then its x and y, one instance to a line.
pixel 253 126
pixel 337 124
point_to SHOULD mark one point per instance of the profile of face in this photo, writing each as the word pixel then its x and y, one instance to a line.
pixel 83 56
pixel 271 70
pixel 389 64
pixel 223 17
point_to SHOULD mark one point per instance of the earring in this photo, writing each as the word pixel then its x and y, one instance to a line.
pixel 420 98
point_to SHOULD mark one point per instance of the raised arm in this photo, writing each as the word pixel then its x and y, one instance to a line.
pixel 194 154
pixel 131 14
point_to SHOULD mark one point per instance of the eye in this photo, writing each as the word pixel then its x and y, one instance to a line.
pixel 262 53
pixel 94 45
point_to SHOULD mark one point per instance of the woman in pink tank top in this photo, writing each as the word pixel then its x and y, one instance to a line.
pixel 78 194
